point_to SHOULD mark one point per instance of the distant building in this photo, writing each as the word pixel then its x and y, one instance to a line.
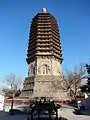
pixel 44 58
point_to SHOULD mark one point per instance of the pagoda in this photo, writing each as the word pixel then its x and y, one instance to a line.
pixel 44 58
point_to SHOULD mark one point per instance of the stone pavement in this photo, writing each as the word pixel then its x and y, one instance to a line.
pixel 65 111
pixel 6 116
pixel 68 113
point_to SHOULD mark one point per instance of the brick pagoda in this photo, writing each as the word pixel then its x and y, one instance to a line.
pixel 44 59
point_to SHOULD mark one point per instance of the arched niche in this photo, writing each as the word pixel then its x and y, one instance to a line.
pixel 31 70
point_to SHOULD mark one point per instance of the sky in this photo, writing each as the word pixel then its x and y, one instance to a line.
pixel 73 18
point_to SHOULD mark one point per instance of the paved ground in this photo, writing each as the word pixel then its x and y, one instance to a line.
pixel 66 111
pixel 6 116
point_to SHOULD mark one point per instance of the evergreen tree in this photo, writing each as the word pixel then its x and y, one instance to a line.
pixel 86 88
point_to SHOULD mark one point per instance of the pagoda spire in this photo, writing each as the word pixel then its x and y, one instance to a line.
pixel 44 10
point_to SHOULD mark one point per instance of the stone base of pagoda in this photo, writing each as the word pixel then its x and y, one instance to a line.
pixel 28 87
pixel 46 86
pixel 49 86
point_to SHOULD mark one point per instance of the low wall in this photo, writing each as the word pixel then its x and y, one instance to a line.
pixel 27 101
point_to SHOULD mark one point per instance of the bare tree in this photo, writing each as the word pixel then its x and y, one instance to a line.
pixel 13 81
pixel 74 78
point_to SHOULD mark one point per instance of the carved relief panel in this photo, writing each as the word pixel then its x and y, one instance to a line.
pixel 43 66
pixel 44 69
pixel 31 69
